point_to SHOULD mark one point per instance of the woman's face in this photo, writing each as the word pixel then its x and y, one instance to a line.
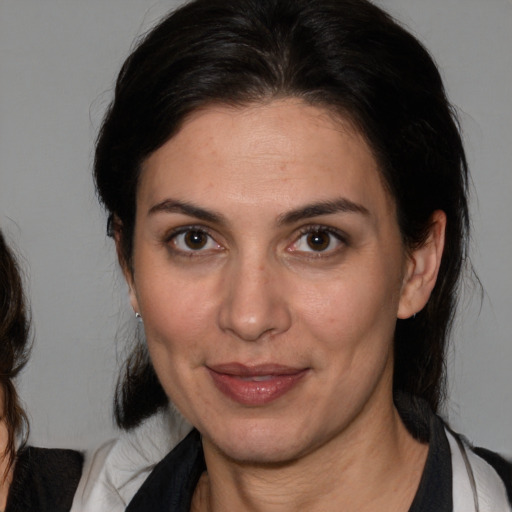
pixel 269 270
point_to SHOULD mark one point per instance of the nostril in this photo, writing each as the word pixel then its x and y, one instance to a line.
pixel 249 328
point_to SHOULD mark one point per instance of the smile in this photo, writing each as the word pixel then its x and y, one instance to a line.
pixel 255 386
pixel 258 378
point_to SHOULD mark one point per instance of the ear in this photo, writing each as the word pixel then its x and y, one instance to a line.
pixel 422 268
pixel 117 233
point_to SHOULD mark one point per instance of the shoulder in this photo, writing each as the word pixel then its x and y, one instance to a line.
pixel 470 478
pixel 479 476
pixel 51 459
pixel 501 465
pixel 114 472
pixel 45 479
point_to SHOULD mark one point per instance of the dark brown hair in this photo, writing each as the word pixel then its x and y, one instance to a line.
pixel 344 55
pixel 15 347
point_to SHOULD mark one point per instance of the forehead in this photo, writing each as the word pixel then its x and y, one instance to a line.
pixel 281 152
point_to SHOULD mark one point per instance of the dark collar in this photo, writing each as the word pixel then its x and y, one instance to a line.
pixel 435 489
pixel 171 484
pixel 44 480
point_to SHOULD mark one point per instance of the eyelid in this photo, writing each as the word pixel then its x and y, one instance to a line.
pixel 181 230
pixel 333 232
pixel 178 230
pixel 341 236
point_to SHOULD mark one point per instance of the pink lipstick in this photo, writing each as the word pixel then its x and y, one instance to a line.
pixel 255 385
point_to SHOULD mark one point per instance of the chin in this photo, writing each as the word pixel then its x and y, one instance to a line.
pixel 260 443
pixel 247 453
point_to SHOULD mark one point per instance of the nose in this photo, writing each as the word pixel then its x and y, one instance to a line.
pixel 254 304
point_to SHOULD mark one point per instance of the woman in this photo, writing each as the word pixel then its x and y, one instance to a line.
pixel 287 190
pixel 30 478
pixel 14 351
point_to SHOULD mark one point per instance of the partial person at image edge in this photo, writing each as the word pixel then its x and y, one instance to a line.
pixel 31 479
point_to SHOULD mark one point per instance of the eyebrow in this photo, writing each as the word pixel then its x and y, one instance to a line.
pixel 174 206
pixel 341 205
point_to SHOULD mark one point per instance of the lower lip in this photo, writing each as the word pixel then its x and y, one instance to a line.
pixel 254 393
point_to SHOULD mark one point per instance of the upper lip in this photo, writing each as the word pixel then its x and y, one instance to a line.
pixel 241 370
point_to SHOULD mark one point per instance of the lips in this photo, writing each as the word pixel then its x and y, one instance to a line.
pixel 255 385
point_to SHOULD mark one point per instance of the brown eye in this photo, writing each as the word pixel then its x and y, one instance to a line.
pixel 318 240
pixel 190 240
pixel 195 239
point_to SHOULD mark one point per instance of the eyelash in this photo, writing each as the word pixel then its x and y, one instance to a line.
pixel 339 236
pixel 175 233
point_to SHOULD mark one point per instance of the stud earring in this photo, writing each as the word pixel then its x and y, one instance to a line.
pixel 138 317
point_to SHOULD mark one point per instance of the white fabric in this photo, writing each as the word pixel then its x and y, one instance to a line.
pixel 490 490
pixel 114 472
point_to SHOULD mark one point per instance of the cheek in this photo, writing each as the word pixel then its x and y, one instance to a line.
pixel 356 310
pixel 176 315
pixel 175 322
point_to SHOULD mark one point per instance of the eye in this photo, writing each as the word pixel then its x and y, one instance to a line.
pixel 193 240
pixel 319 240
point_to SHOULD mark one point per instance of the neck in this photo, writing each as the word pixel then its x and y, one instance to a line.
pixel 374 468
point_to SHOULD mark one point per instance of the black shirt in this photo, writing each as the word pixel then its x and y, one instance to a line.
pixel 44 480
pixel 171 484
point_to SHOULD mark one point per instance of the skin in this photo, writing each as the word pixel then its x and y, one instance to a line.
pixel 267 281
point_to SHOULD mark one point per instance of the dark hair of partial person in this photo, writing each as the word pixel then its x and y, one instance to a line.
pixel 347 56
pixel 15 344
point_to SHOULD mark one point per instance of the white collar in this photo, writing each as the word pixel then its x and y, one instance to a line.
pixel 476 485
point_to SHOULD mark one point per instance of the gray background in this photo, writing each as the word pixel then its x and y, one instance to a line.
pixel 58 60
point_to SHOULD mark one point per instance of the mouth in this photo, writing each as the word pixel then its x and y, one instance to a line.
pixel 255 385
pixel 259 378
